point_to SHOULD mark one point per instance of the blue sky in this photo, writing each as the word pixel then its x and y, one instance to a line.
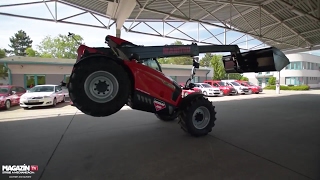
pixel 37 30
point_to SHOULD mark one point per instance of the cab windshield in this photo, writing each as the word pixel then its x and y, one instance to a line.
pixel 153 63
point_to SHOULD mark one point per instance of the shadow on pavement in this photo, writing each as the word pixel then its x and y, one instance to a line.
pixel 268 138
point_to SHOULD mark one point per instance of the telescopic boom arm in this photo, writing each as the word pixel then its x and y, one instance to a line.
pixel 268 59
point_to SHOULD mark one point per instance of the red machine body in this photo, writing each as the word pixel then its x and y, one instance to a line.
pixel 103 80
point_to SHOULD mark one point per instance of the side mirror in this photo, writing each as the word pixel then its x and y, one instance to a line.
pixel 14 92
pixel 28 91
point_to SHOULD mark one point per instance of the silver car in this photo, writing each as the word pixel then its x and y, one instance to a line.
pixel 240 89
pixel 208 90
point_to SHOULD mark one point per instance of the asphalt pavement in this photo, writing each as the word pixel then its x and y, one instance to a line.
pixel 272 138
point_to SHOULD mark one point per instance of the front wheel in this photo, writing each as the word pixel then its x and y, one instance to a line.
pixel 198 117
pixel 99 87
pixel 166 117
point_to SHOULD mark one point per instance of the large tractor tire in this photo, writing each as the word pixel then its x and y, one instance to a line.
pixel 99 87
pixel 166 117
pixel 198 117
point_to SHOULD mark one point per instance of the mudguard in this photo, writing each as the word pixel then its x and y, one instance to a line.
pixel 92 56
pixel 262 60
pixel 185 101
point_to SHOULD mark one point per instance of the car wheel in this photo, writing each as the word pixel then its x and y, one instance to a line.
pixel 54 103
pixel 205 93
pixel 8 104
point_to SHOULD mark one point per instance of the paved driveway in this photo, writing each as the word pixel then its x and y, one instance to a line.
pixel 263 138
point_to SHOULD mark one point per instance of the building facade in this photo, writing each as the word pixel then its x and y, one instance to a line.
pixel 31 71
pixel 304 69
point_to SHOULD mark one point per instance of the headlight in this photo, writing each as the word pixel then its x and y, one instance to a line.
pixel 1 97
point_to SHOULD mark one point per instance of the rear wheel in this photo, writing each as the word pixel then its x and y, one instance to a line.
pixel 198 117
pixel 99 87
pixel 7 104
pixel 166 117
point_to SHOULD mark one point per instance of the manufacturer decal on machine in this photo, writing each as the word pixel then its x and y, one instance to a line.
pixel 159 105
pixel 176 50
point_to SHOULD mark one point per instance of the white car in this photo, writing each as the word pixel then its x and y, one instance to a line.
pixel 42 95
pixel 240 89
pixel 208 90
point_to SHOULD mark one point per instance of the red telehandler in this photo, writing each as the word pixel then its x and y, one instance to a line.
pixel 103 80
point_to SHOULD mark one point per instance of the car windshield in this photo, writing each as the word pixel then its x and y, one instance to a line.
pixel 250 83
pixel 4 90
pixel 222 83
pixel 42 89
pixel 235 83
pixel 206 85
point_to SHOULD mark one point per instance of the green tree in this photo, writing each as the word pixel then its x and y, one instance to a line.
pixel 243 78
pixel 19 42
pixel 3 69
pixel 219 72
pixel 61 46
pixel 272 81
pixel 31 52
pixel 2 53
pixel 206 60
pixel 235 76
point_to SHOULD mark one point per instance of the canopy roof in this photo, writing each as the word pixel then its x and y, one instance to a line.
pixel 290 25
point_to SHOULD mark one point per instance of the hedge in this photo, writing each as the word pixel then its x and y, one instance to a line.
pixel 293 88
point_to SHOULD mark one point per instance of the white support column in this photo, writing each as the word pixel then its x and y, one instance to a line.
pixel 118 33
pixel 120 12
pixel 278 83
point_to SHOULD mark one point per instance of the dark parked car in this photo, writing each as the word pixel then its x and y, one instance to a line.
pixel 10 95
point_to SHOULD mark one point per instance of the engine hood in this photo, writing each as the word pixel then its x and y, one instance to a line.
pixel 36 94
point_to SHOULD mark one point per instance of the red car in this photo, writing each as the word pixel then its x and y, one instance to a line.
pixel 10 95
pixel 187 92
pixel 226 89
pixel 252 87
